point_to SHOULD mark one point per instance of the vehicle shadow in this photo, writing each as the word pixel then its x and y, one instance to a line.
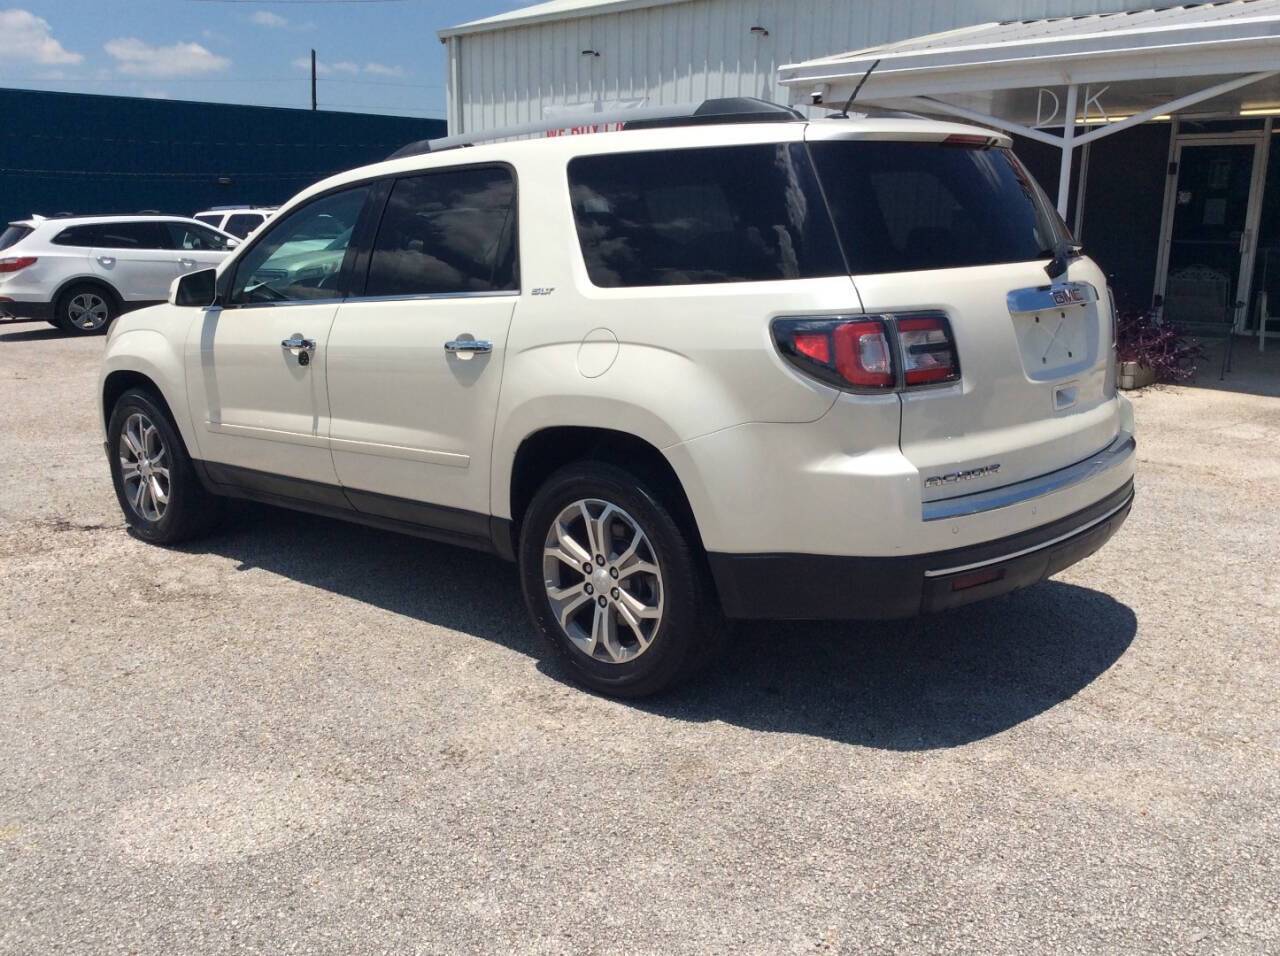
pixel 38 334
pixel 935 682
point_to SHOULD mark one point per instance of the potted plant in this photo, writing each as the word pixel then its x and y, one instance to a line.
pixel 1147 352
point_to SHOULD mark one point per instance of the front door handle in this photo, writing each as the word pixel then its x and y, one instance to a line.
pixel 468 345
pixel 107 260
pixel 298 342
pixel 186 263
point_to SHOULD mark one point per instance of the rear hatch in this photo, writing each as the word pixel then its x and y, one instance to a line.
pixel 956 226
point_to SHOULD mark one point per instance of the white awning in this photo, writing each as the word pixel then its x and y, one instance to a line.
pixel 1026 77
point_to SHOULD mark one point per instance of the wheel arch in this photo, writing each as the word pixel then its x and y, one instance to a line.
pixel 548 449
pixel 148 364
pixel 91 280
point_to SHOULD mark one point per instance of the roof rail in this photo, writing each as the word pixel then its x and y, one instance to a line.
pixel 734 109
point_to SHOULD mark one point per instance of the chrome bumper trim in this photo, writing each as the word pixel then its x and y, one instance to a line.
pixel 1034 548
pixel 1117 453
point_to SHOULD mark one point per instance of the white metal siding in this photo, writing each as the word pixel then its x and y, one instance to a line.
pixel 690 51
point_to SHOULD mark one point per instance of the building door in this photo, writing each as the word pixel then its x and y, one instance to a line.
pixel 1210 231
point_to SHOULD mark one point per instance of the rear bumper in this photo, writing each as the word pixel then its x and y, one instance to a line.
pixel 822 587
pixel 26 310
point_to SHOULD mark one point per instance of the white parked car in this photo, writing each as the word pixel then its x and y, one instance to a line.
pixel 239 221
pixel 755 368
pixel 79 273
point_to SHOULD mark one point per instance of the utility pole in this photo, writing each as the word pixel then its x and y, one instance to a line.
pixel 313 80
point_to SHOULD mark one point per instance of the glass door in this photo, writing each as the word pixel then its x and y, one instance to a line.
pixel 1210 231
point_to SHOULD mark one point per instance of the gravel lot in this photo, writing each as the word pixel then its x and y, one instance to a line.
pixel 305 736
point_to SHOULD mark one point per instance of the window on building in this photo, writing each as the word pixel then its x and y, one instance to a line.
pixel 447 232
pixel 690 216
pixel 300 256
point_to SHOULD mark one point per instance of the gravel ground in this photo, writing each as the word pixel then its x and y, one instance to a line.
pixel 305 736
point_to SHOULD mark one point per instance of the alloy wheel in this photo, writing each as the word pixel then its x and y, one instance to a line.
pixel 603 581
pixel 144 467
pixel 88 311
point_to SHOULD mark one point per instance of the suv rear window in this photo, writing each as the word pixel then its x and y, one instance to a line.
pixel 242 223
pixel 693 216
pixel 13 235
pixel 902 206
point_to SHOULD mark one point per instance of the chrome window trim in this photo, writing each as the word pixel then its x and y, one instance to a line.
pixel 1041 298
pixel 1116 453
pixel 428 296
pixel 1035 547
pixel 235 306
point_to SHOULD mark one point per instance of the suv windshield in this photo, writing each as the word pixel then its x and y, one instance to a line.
pixel 13 235
pixel 906 206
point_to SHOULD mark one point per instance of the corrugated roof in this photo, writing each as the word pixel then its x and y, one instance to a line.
pixel 1223 38
pixel 552 10
pixel 1112 25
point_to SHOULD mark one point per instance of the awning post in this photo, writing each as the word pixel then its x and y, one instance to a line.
pixel 1068 146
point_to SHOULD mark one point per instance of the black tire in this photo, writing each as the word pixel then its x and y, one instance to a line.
pixel 85 309
pixel 190 510
pixel 690 628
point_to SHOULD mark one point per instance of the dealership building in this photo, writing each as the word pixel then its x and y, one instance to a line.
pixel 1151 127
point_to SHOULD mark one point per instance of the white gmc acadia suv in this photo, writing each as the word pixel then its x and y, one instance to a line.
pixel 744 366
pixel 79 273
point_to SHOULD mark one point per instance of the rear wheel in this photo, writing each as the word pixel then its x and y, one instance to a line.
pixel 85 309
pixel 158 489
pixel 614 583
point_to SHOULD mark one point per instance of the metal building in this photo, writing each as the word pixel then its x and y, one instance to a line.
pixel 71 152
pixel 592 54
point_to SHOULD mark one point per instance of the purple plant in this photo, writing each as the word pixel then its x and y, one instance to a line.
pixel 1166 351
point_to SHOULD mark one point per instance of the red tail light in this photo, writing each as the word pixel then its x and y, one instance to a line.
pixel 871 353
pixel 853 352
pixel 14 263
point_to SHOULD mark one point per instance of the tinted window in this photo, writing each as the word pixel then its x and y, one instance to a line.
pixel 12 235
pixel 210 220
pixel 906 206
pixel 300 256
pixel 447 232
pixel 727 214
pixel 186 235
pixel 243 223
pixel 131 235
pixel 78 236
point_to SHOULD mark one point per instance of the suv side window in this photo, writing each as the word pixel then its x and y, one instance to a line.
pixel 185 235
pixel 131 235
pixel 447 232
pixel 210 219
pixel 243 223
pixel 300 256
pixel 80 236
pixel 692 216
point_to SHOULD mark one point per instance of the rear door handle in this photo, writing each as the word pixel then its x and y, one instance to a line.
pixel 468 345
pixel 298 342
pixel 186 263
pixel 107 260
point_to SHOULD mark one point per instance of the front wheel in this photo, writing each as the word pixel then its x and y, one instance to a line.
pixel 158 489
pixel 614 583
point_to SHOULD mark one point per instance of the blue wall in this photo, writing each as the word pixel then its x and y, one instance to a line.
pixel 71 152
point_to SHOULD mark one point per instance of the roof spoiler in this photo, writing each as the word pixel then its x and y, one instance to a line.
pixel 733 109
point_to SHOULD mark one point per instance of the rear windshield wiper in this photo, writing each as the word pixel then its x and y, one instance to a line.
pixel 1063 251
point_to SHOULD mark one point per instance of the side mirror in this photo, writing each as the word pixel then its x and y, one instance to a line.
pixel 198 289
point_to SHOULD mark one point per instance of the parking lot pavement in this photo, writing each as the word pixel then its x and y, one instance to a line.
pixel 301 736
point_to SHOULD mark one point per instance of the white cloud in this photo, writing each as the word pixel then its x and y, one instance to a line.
pixel 265 18
pixel 381 69
pixel 137 58
pixel 29 38
pixel 348 68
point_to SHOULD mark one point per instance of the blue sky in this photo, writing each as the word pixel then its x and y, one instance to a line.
pixel 375 55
